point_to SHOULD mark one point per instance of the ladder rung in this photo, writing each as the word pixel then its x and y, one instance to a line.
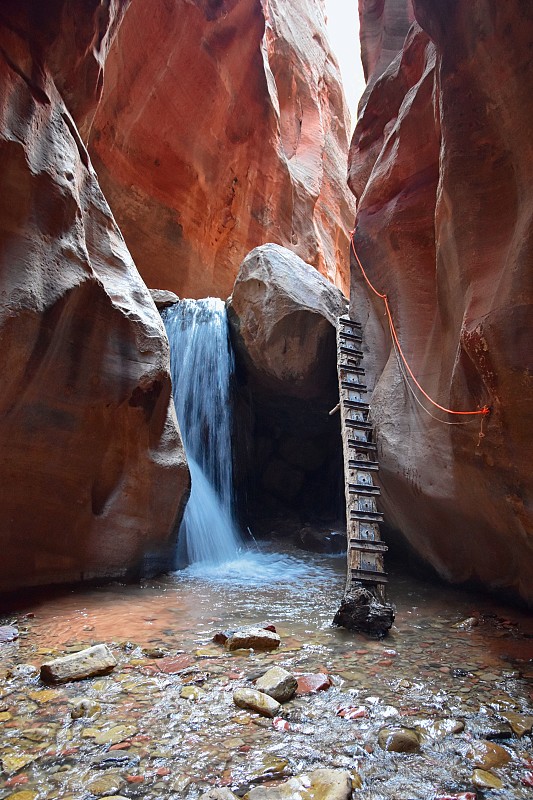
pixel 364 466
pixel 359 405
pixel 354 370
pixel 360 387
pixel 351 351
pixel 367 489
pixel 365 544
pixel 358 424
pixel 365 516
pixel 364 447
pixel 347 321
pixel 355 337
pixel 369 575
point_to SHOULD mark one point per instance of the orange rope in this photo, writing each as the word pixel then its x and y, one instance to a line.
pixel 483 411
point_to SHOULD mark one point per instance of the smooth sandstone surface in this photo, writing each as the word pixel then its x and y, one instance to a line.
pixel 92 471
pixel 96 660
pixel 442 164
pixel 278 683
pixel 256 701
pixel 283 316
pixel 222 126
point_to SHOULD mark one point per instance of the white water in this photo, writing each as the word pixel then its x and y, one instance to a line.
pixel 202 365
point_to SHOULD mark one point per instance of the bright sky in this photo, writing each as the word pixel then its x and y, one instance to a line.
pixel 343 29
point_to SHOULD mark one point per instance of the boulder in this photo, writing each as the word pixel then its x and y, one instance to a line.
pixel 252 638
pixel 92 471
pixel 248 146
pixel 96 660
pixel 256 701
pixel 278 683
pixel 320 784
pixel 444 183
pixel 163 298
pixel 282 315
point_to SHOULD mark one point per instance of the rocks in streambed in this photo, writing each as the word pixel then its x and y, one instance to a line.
pixel 256 701
pixel 310 683
pixel 96 660
pixel 399 740
pixel 8 633
pixel 252 639
pixel 278 683
pixel 487 755
pixel 482 779
pixel 218 794
pixel 320 784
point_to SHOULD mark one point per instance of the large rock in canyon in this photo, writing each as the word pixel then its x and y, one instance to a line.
pixel 282 316
pixel 441 164
pixel 92 473
pixel 222 126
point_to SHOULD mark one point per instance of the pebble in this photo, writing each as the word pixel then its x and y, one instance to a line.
pixel 252 638
pixel 105 784
pixel 483 779
pixel 309 683
pixel 520 723
pixel 487 755
pixel 84 707
pixel 320 784
pixel 8 633
pixel 256 701
pixel 218 794
pixel 278 683
pixel 399 740
pixel 96 660
pixel 115 734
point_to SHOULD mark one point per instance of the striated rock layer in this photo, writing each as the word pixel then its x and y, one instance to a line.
pixel 92 473
pixel 442 165
pixel 223 126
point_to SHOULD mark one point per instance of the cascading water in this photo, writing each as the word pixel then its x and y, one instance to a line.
pixel 201 366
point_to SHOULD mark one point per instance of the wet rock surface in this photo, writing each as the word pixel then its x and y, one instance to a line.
pixel 96 660
pixel 252 638
pixel 278 683
pixel 140 737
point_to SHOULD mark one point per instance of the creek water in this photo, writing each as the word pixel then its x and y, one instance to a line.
pixel 167 727
pixel 202 364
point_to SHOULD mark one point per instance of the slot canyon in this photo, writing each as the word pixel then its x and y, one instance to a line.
pixel 266 358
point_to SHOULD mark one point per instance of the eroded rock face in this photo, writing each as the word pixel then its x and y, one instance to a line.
pixel 92 472
pixel 282 316
pixel 222 126
pixel 441 162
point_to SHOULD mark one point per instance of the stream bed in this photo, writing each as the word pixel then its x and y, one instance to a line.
pixel 456 668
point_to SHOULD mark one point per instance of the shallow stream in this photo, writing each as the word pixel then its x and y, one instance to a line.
pixel 167 727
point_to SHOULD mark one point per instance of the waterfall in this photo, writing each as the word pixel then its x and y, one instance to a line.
pixel 202 363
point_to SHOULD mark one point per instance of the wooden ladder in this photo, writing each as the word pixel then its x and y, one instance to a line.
pixel 365 548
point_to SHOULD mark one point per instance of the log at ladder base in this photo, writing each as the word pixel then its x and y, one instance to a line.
pixel 363 607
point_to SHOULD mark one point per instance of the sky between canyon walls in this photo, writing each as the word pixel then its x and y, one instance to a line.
pixel 343 30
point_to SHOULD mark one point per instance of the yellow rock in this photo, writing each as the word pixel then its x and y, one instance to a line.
pixel 191 693
pixel 486 780
pixel 5 715
pixel 116 734
pixel 27 794
pixel 89 733
pixel 12 763
pixel 44 695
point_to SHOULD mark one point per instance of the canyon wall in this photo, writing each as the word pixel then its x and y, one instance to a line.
pixel 92 473
pixel 222 126
pixel 441 163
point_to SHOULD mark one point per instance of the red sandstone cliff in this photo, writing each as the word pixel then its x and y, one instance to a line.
pixel 92 473
pixel 442 165
pixel 222 126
